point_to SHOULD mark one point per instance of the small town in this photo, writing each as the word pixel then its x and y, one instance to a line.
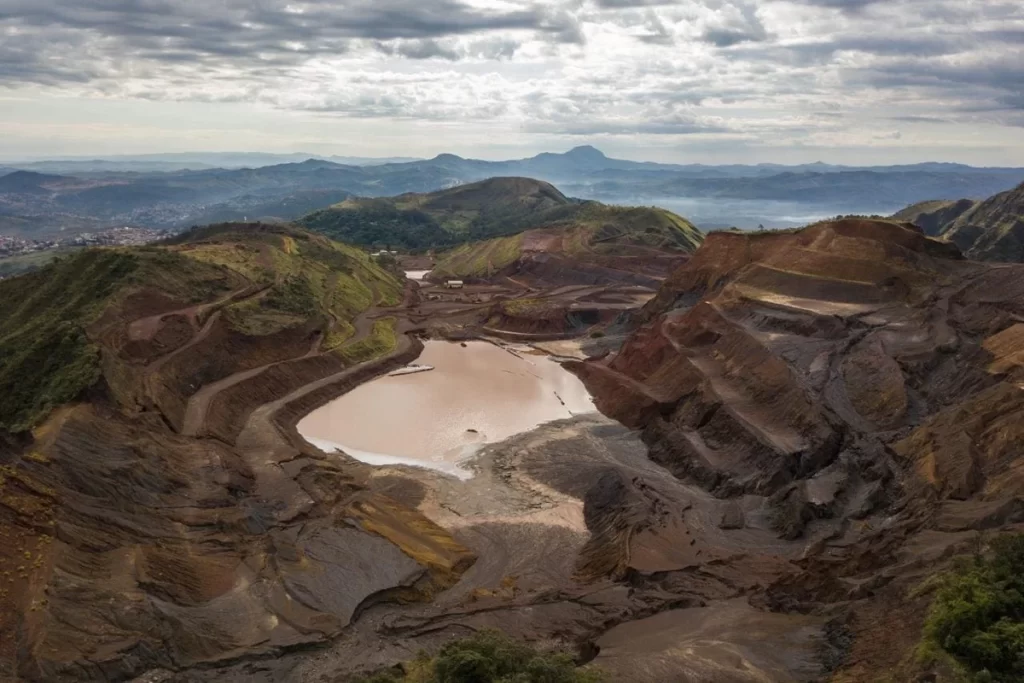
pixel 123 236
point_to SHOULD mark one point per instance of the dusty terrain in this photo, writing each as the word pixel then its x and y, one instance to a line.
pixel 857 383
pixel 803 427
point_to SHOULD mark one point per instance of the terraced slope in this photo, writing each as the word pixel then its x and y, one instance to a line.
pixel 598 245
pixel 127 542
pixel 855 385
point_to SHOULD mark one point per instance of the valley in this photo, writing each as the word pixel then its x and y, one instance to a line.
pixel 211 471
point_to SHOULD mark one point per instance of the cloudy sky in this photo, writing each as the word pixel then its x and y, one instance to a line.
pixel 846 81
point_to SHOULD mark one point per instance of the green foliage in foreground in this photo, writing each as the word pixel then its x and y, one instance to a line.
pixel 490 657
pixel 978 613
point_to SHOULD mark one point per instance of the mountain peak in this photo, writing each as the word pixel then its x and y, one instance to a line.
pixel 586 152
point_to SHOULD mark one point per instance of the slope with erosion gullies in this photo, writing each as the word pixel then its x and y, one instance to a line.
pixel 935 216
pixel 989 230
pixel 855 385
pixel 993 230
pixel 497 206
pixel 129 543
pixel 598 244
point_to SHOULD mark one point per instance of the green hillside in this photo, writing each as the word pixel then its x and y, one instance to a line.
pixel 596 234
pixel 491 208
pixel 55 322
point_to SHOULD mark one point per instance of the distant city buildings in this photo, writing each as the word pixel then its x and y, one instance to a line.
pixel 124 237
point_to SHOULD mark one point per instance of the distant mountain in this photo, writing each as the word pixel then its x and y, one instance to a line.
pixel 989 230
pixel 27 182
pixel 107 195
pixel 164 163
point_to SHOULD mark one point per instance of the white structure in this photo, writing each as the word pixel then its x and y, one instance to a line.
pixel 453 284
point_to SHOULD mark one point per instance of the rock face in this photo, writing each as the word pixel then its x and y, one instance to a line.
pixel 935 217
pixel 842 374
pixel 129 542
pixel 991 230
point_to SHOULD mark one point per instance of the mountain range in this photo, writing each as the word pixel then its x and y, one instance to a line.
pixel 46 199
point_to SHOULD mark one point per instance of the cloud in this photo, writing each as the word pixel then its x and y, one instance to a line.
pixel 244 33
pixel 735 24
pixel 782 72
pixel 844 5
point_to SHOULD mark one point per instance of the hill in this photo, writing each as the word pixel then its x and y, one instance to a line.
pixel 993 230
pixel 497 206
pixel 146 458
pixel 598 244
pixel 935 216
pixel 27 182
pixel 57 321
pixel 851 390
pixel 990 230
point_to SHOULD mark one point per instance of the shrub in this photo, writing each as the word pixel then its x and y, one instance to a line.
pixel 491 657
pixel 978 613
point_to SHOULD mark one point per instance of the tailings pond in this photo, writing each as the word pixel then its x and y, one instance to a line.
pixel 477 393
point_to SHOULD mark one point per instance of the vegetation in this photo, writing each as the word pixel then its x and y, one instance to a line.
pixel 51 320
pixel 977 616
pixel 490 657
pixel 46 357
pixel 494 207
pixel 480 259
pixel 592 230
pixel 379 342
pixel 309 276
pixel 26 263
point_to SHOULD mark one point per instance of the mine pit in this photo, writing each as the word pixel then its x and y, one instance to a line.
pixel 477 393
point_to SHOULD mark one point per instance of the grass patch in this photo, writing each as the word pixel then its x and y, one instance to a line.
pixel 380 342
pixel 26 263
pixel 489 657
pixel 528 307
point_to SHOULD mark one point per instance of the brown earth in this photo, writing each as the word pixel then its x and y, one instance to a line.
pixel 131 544
pixel 857 383
pixel 815 422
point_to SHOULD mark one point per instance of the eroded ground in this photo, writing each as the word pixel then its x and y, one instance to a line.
pixel 808 425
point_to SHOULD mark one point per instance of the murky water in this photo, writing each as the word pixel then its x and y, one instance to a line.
pixel 476 394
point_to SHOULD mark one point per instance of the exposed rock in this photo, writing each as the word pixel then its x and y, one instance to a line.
pixel 865 379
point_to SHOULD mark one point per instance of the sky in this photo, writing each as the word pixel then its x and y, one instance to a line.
pixel 686 81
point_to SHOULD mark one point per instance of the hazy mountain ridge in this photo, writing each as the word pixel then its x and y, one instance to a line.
pixel 178 198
